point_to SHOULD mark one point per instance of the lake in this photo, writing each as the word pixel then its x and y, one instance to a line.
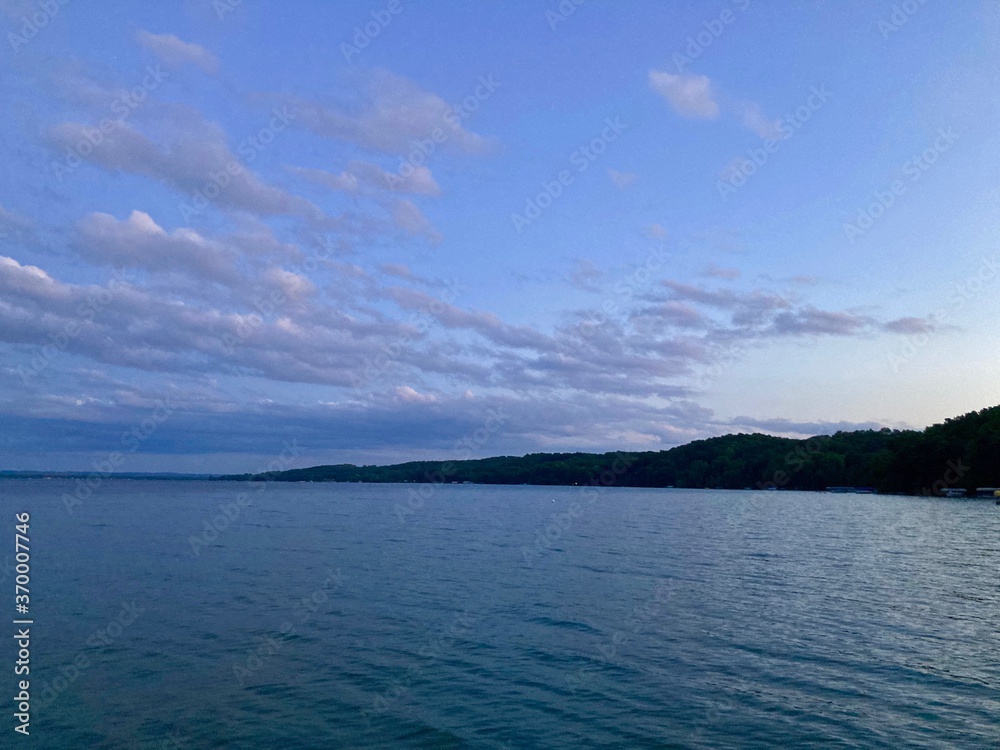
pixel 240 615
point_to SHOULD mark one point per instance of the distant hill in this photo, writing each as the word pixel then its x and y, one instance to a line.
pixel 963 452
pixel 115 475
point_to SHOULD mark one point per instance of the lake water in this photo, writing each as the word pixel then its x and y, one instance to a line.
pixel 340 616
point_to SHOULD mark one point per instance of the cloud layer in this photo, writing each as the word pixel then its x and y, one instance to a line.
pixel 273 265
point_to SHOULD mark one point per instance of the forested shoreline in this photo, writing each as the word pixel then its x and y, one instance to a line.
pixel 960 453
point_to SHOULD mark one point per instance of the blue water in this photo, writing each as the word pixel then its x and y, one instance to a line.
pixel 338 616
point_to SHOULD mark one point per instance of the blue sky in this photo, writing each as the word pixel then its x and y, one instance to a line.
pixel 393 230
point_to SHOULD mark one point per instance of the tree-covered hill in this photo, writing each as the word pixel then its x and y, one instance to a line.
pixel 963 452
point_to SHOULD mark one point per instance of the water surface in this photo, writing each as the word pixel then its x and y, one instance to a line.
pixel 340 616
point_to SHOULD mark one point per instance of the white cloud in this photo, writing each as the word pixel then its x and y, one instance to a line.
pixel 139 242
pixel 345 181
pixel 393 116
pixel 621 180
pixel 410 395
pixel 755 120
pixel 693 96
pixel 409 218
pixel 362 174
pixel 195 151
pixel 294 286
pixel 27 279
pixel 690 95
pixel 172 51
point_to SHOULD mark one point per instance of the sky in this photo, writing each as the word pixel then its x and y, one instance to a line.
pixel 237 235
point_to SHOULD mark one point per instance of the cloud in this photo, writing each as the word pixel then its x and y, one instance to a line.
pixel 382 430
pixel 410 219
pixel 690 95
pixel 344 181
pixel 487 324
pixel 812 321
pixel 398 270
pixel 16 229
pixel 409 395
pixel 715 271
pixel 597 382
pixel 911 325
pixel 585 275
pixel 693 96
pixel 188 264
pixel 622 180
pixel 761 314
pixel 196 160
pixel 726 299
pixel 677 314
pixel 29 280
pixel 394 114
pixel 789 427
pixel 300 301
pixel 173 52
pixel 139 242
pixel 360 175
pixel 291 285
pixel 754 119
pixel 128 325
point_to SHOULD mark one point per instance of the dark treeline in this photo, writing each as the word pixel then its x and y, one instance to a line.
pixel 963 452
